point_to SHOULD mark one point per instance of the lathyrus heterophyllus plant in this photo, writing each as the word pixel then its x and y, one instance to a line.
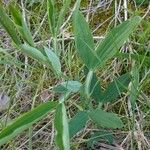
pixel 93 57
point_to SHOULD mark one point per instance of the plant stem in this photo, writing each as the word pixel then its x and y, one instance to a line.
pixel 55 45
pixel 88 83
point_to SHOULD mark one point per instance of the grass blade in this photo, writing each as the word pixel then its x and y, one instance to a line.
pixel 25 121
pixel 65 7
pixel 144 60
pixel 51 16
pixel 9 59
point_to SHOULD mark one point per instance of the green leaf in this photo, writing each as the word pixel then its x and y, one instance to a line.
pixel 134 92
pixel 54 60
pixel 105 119
pixel 60 89
pixel 95 87
pixel 51 15
pixel 21 24
pixel 116 87
pixel 27 34
pixel 61 126
pixel 33 52
pixel 77 123
pixel 98 136
pixel 16 15
pixel 68 86
pixel 84 41
pixel 61 17
pixel 8 25
pixel 115 39
pixel 25 121
pixel 142 2
pixel 144 60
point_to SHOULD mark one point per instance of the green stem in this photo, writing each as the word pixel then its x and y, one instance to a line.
pixel 55 45
pixel 88 83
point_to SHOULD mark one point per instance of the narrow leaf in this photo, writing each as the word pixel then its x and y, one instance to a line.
pixel 95 87
pixel 27 33
pixel 8 25
pixel 115 39
pixel 116 87
pixel 25 121
pixel 105 119
pixel 33 52
pixel 16 15
pixel 77 123
pixel 61 17
pixel 61 126
pixel 54 60
pixel 145 60
pixel 21 24
pixel 96 91
pixel 68 86
pixel 84 41
pixel 134 87
pixel 51 15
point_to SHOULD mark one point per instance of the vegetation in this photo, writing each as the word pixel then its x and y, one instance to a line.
pixel 74 85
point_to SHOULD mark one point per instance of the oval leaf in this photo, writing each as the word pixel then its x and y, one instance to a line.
pixel 77 123
pixel 34 53
pixel 68 86
pixel 116 87
pixel 100 136
pixel 105 119
pixel 54 60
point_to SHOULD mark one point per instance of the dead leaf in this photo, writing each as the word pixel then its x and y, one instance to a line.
pixel 4 101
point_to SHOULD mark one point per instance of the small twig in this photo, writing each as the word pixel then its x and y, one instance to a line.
pixel 88 12
pixel 147 12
